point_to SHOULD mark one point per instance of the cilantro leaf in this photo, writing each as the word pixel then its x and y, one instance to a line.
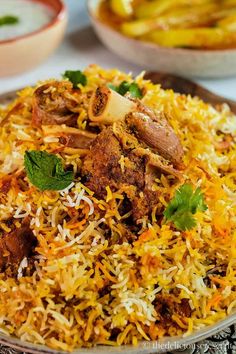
pixel 125 87
pixel 184 221
pixel 183 206
pixel 45 171
pixel 8 20
pixel 76 77
pixel 197 202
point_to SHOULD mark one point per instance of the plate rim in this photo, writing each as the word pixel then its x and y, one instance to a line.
pixel 144 347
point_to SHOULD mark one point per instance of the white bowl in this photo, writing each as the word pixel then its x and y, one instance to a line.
pixel 25 52
pixel 185 62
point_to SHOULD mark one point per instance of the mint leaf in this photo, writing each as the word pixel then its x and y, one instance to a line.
pixel 113 87
pixel 8 20
pixel 76 77
pixel 135 90
pixel 183 206
pixel 125 87
pixel 45 171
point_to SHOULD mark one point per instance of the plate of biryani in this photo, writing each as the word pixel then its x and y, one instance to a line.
pixel 117 216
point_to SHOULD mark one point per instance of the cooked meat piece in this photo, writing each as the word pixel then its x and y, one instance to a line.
pixel 138 147
pixel 157 135
pixel 117 159
pixel 134 172
pixel 15 246
pixel 76 141
pixel 102 166
pixel 184 309
pixel 107 106
pixel 5 184
pixel 69 136
pixel 143 205
pixel 114 333
pixel 53 105
pixel 166 306
pixel 102 163
pixel 129 140
pixel 157 163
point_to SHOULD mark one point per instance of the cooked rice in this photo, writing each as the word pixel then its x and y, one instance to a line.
pixel 86 290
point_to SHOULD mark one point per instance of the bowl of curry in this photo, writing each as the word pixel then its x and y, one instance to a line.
pixel 186 38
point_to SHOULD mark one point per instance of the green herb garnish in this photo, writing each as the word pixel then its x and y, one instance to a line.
pixel 183 206
pixel 76 77
pixel 8 20
pixel 45 171
pixel 125 87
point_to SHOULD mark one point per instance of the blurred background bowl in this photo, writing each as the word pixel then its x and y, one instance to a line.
pixel 185 62
pixel 25 52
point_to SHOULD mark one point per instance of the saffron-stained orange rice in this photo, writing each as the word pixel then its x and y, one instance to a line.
pixel 81 288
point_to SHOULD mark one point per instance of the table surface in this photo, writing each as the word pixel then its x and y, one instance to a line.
pixel 81 47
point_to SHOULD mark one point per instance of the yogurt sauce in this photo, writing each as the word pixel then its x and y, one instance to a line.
pixel 32 16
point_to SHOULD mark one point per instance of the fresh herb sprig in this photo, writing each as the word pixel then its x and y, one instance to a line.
pixel 76 77
pixel 125 87
pixel 45 171
pixel 183 206
pixel 9 20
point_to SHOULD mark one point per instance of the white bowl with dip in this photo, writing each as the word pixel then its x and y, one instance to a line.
pixel 39 30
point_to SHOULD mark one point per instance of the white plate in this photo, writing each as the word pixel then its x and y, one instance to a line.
pixel 145 347
pixel 161 346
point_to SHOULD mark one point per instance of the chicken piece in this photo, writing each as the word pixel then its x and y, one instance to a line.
pixel 15 246
pixel 52 104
